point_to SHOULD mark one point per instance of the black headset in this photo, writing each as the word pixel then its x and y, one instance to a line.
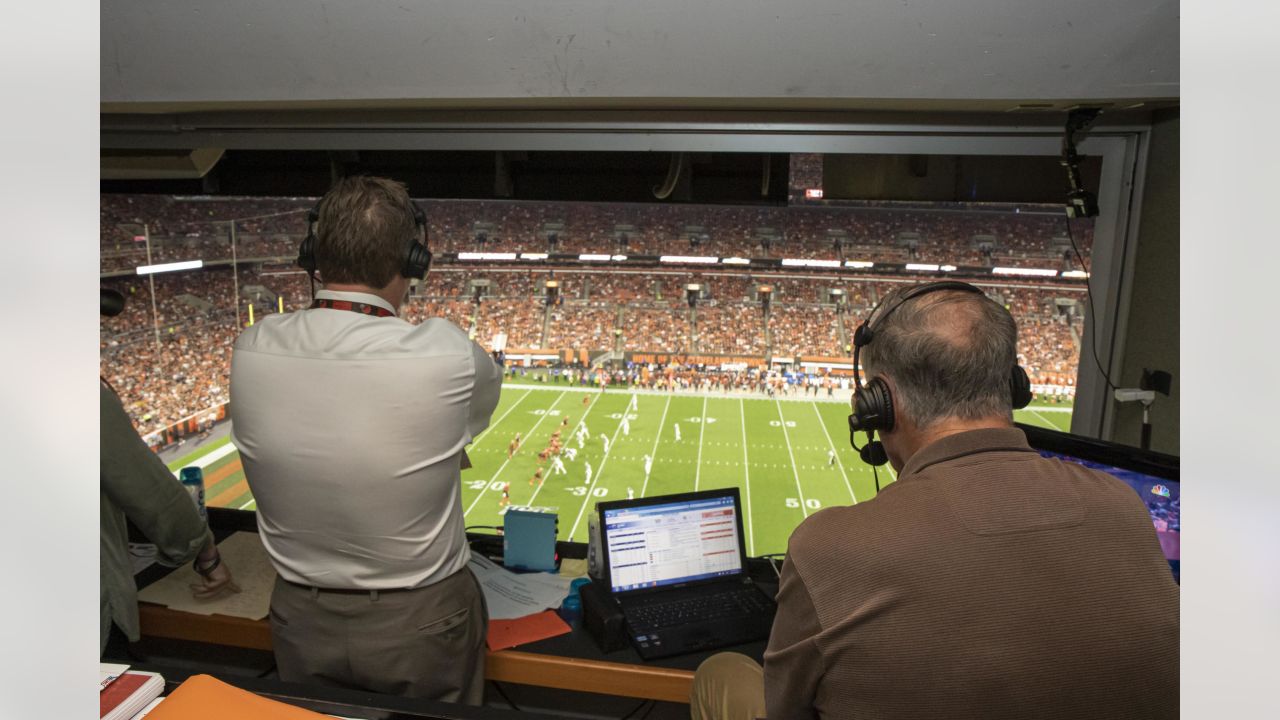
pixel 873 402
pixel 417 258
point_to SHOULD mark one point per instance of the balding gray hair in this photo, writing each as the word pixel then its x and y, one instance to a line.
pixel 949 352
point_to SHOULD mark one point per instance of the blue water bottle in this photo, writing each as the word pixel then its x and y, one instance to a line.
pixel 192 479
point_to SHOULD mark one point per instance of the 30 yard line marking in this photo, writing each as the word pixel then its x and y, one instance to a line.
pixel 787 436
pixel 596 480
pixel 528 435
pixel 751 538
pixel 569 437
pixel 839 462
pixel 702 429
pixel 653 457
pixel 476 440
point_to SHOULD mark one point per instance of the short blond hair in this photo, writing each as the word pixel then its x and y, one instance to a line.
pixel 364 226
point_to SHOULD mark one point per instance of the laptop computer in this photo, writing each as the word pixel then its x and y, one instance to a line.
pixel 676 566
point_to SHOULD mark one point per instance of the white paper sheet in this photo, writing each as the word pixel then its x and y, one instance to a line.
pixel 250 567
pixel 512 595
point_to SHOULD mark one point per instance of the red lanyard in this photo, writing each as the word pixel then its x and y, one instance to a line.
pixel 362 308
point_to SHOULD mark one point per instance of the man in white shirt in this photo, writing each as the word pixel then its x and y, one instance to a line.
pixel 351 424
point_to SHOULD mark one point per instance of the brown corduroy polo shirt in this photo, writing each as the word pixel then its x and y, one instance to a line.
pixel 987 582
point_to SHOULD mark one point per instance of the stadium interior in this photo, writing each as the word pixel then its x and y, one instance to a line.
pixel 679 267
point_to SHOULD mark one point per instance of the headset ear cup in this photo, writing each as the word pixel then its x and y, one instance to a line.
pixel 417 262
pixel 1019 388
pixel 876 406
pixel 307 253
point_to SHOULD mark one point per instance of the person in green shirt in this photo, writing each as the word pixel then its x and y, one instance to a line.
pixel 137 486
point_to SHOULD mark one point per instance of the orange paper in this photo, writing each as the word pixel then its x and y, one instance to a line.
pixel 504 634
pixel 203 698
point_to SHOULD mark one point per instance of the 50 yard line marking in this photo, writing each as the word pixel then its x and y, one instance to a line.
pixel 654 456
pixel 787 436
pixel 596 480
pixel 702 429
pixel 746 468
pixel 527 436
pixel 839 462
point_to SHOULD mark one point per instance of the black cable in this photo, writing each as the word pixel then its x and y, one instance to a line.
pixel 652 704
pixel 268 671
pixel 498 687
pixel 1093 324
pixel 876 474
pixel 636 709
pixel 469 528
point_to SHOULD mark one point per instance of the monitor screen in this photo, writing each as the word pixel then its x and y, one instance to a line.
pixel 1163 499
pixel 1153 476
pixel 669 543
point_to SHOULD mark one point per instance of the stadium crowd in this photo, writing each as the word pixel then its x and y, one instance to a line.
pixel 596 309
pixel 186 228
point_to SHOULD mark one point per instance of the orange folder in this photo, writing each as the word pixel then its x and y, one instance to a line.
pixel 203 698
pixel 505 634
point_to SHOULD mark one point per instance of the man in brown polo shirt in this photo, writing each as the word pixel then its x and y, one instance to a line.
pixel 986 582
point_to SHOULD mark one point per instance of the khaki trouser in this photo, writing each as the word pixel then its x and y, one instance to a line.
pixel 727 686
pixel 427 642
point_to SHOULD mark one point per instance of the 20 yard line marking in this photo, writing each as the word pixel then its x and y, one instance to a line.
pixel 787 436
pixel 751 538
pixel 702 429
pixel 839 462
pixel 596 480
pixel 653 457
pixel 527 436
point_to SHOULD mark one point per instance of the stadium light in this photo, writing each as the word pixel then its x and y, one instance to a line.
pixel 1036 272
pixel 1078 274
pixel 486 256
pixel 597 257
pixel 858 264
pixel 692 259
pixel 619 258
pixel 735 261
pixel 533 256
pixel 170 267
pixel 923 267
pixel 947 268
pixel 804 262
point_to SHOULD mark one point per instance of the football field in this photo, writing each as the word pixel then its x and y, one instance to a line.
pixel 777 451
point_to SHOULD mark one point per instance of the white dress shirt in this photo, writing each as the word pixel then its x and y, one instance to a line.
pixel 351 428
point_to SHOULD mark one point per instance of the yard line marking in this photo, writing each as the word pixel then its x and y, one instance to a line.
pixel 1052 424
pixel 839 462
pixel 596 480
pixel 787 436
pixel 569 437
pixel 751 538
pixel 527 436
pixel 653 457
pixel 210 457
pixel 476 440
pixel 702 429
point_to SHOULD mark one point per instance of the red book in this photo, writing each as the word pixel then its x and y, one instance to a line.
pixel 128 694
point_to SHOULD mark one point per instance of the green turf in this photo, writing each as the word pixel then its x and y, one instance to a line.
pixel 187 459
pixel 776 451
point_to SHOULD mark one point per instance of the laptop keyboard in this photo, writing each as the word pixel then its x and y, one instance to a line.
pixel 665 613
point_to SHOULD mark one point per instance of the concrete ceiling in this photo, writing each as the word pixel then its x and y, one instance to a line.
pixel 976 55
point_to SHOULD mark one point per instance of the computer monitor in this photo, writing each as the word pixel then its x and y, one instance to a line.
pixel 672 539
pixel 1153 476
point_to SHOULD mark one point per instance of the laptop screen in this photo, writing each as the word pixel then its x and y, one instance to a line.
pixel 669 543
